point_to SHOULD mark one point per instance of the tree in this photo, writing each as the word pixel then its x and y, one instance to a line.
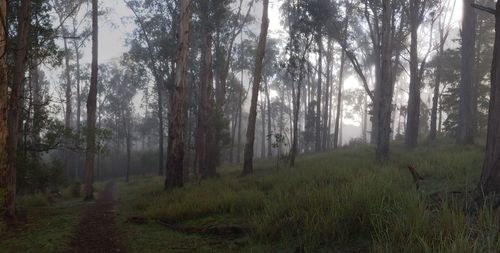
pixel 416 13
pixel 15 105
pixel 157 50
pixel 444 31
pixel 490 177
pixel 63 10
pixel 257 77
pixel 175 153
pixel 341 81
pixel 4 169
pixel 386 85
pixel 465 131
pixel 224 63
pixel 91 108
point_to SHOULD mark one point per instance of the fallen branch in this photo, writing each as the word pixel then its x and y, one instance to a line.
pixel 416 177
pixel 218 230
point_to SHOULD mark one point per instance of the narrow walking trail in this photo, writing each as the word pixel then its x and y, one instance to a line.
pixel 96 231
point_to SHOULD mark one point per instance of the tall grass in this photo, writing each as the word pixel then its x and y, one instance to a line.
pixel 339 201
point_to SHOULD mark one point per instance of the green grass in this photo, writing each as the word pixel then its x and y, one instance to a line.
pixel 44 226
pixel 341 202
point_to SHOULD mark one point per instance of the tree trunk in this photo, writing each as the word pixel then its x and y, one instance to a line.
pixel 365 120
pixel 296 111
pixel 161 133
pixel 175 153
pixel 339 102
pixel 326 108
pixel 437 85
pixel 240 117
pixel 318 93
pixel 78 108
pixel 261 51
pixel 490 177
pixel 128 132
pixel 234 123
pixel 465 131
pixel 4 169
pixel 412 123
pixel 206 70
pixel 386 86
pixel 92 108
pixel 269 123
pixel 15 106
pixel 67 117
pixel 211 142
pixel 263 134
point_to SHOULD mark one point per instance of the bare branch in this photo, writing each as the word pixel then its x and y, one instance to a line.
pixel 484 8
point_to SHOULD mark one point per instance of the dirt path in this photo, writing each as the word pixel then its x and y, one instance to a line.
pixel 96 231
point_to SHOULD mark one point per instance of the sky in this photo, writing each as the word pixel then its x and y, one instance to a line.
pixel 113 29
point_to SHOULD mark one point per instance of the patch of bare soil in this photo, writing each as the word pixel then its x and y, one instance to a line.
pixel 96 231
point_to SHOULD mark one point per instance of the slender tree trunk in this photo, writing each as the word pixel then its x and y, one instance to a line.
pixel 4 168
pixel 206 74
pixel 15 106
pixel 212 144
pixel 175 155
pixel 476 84
pixel 128 132
pixel 339 102
pixel 261 51
pixel 92 108
pixel 263 134
pixel 78 108
pixel 269 123
pixel 161 132
pixel 330 116
pixel 240 117
pixel 318 93
pixel 67 117
pixel 35 105
pixel 465 131
pixel 490 177
pixel 437 86
pixel 296 111
pixel 326 108
pixel 412 123
pixel 365 119
pixel 386 86
pixel 201 145
pixel 233 133
pixel 440 114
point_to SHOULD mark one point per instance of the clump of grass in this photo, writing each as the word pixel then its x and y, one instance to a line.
pixel 33 200
pixel 212 197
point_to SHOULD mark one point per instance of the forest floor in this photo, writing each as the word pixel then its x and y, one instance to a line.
pixel 341 201
pixel 96 231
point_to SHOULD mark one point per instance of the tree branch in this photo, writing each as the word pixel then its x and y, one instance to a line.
pixel 484 8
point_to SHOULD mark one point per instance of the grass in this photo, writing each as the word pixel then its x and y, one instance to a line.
pixel 333 202
pixel 45 225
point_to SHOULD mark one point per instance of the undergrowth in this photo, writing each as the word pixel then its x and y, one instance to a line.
pixel 340 201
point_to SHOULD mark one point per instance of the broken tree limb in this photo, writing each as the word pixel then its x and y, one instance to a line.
pixel 484 8
pixel 416 177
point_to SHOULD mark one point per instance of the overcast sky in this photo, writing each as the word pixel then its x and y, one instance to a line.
pixel 113 29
